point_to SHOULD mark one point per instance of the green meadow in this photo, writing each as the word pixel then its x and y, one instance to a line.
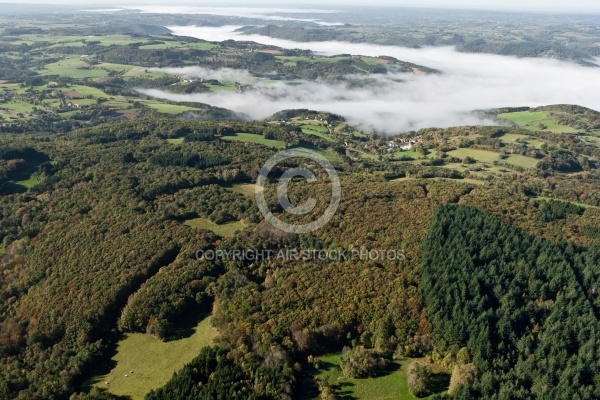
pixel 175 141
pixel 28 182
pixel 88 91
pixel 464 180
pixel 223 230
pixel 317 130
pixel 17 106
pixel 144 363
pixel 73 67
pixel 479 155
pixel 391 385
pixel 171 109
pixel 257 139
pixel 247 189
pixel 407 153
pixel 536 121
pixel 512 138
pixel 522 161
pixel 331 156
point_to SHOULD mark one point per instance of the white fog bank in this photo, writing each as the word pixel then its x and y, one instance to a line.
pixel 403 102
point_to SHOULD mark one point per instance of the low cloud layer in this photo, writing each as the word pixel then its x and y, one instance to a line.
pixel 269 14
pixel 401 102
pixel 391 103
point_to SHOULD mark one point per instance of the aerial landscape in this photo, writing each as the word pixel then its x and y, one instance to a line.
pixel 343 200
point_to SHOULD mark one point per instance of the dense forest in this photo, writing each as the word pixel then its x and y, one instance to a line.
pixel 525 308
pixel 83 247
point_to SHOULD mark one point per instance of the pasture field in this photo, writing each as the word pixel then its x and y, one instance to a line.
pixel 115 67
pixel 293 60
pixel 171 109
pixel 317 130
pixel 371 60
pixel 479 155
pixel 543 198
pixel 74 43
pixel 464 180
pixel 522 161
pixel 179 45
pixel 512 138
pixel 406 153
pixel 88 91
pixel 17 106
pixel 532 121
pixel 117 40
pixel 73 67
pixel 331 156
pixel 247 189
pixel 144 363
pixel 391 385
pixel 366 156
pixel 10 86
pixel 257 139
pixel 478 170
pixel 175 141
pixel 224 230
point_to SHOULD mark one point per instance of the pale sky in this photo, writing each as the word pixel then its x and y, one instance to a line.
pixel 526 5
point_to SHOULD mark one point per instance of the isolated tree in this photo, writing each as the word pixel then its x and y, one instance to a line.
pixel 419 379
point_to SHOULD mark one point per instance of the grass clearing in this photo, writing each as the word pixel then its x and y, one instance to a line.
pixel 542 198
pixel 171 109
pixel 17 106
pixel 28 182
pixel 314 59
pixel 223 230
pixel 479 155
pixel 116 67
pixel 144 363
pixel 88 91
pixel 176 140
pixel 407 153
pixel 332 157
pixel 513 138
pixel 256 139
pixel 463 180
pixel 371 60
pixel 171 44
pixel 247 189
pixel 522 161
pixel 536 121
pixel 392 385
pixel 74 67
pixel 317 130
pixel 367 156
